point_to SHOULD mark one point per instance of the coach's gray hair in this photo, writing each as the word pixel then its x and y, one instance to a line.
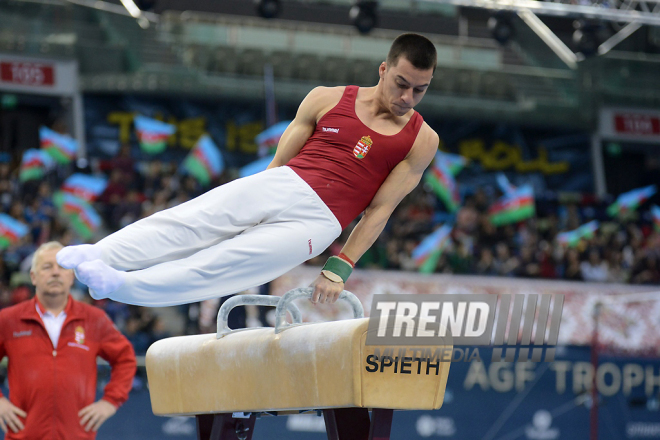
pixel 44 247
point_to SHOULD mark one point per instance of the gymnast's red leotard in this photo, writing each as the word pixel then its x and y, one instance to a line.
pixel 346 162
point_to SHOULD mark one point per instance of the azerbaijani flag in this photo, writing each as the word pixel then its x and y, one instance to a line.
pixel 504 184
pixel 268 139
pixel 655 212
pixel 255 167
pixel 572 238
pixel 587 230
pixel 427 253
pixel 11 230
pixel 629 201
pixel 513 207
pixel 204 161
pixel 61 147
pixel 84 219
pixel 34 164
pixel 440 178
pixel 85 186
pixel 455 162
pixel 152 134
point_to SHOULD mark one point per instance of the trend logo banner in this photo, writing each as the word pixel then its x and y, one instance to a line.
pixel 470 320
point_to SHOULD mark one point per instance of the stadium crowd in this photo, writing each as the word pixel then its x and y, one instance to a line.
pixel 621 251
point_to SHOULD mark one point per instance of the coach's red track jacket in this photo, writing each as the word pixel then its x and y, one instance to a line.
pixel 51 383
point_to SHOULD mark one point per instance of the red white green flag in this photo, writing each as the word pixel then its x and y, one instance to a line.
pixel 513 207
pixel 268 139
pixel 572 238
pixel 629 201
pixel 205 161
pixel 504 184
pixel 61 147
pixel 84 219
pixel 152 134
pixel 455 162
pixel 11 230
pixel 34 165
pixel 428 252
pixel 85 186
pixel 655 212
pixel 441 180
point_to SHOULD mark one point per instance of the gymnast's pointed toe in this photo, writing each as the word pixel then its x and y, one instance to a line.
pixel 101 279
pixel 71 257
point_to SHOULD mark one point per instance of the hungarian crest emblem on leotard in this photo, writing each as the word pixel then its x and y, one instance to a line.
pixel 80 335
pixel 363 146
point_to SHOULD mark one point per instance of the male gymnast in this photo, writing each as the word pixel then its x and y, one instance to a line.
pixel 349 150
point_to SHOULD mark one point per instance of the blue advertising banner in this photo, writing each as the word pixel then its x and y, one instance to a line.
pixel 109 123
pixel 489 400
pixel 547 158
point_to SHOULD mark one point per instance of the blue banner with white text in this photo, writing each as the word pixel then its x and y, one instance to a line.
pixel 489 400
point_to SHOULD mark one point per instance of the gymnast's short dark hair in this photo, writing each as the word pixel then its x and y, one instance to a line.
pixel 415 48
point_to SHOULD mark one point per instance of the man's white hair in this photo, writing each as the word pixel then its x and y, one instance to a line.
pixel 44 247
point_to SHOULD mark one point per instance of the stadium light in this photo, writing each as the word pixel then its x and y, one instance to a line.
pixel 268 8
pixel 501 27
pixel 363 15
pixel 586 38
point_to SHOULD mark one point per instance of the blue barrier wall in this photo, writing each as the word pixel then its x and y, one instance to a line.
pixel 496 401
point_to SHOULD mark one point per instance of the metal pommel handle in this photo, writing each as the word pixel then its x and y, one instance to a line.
pixel 306 292
pixel 257 300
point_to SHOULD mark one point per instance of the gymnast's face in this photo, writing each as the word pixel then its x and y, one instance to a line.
pixel 404 85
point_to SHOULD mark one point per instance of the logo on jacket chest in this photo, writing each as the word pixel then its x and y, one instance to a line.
pixel 363 146
pixel 80 335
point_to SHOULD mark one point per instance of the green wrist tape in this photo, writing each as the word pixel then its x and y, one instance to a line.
pixel 339 266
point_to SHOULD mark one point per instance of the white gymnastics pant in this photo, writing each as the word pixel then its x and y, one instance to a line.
pixel 234 237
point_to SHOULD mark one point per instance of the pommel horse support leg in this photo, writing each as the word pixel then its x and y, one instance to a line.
pixel 229 379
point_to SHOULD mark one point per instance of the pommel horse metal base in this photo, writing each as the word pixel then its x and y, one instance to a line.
pixel 340 424
pixel 295 368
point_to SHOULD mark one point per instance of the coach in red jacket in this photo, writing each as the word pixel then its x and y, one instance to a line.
pixel 52 342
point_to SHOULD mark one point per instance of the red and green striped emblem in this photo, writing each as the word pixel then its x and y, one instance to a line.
pixel 363 146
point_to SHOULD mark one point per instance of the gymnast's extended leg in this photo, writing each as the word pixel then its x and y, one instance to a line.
pixel 251 258
pixel 178 232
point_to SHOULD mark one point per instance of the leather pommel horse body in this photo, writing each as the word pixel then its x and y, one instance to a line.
pixel 294 368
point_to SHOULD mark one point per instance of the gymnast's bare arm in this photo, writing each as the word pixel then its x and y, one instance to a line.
pixel 401 180
pixel 317 103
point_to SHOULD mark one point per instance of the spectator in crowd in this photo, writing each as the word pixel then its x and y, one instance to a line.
pixel 529 267
pixel 8 186
pixel 460 261
pixel 572 270
pixel 594 269
pixel 137 335
pixel 128 210
pixel 114 193
pixel 486 263
pixel 52 342
pixel 156 204
pixel 647 270
pixel 505 264
pixel 122 162
pixel 546 259
pixel 5 296
pixel 616 273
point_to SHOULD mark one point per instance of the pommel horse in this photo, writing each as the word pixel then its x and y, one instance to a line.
pixel 227 380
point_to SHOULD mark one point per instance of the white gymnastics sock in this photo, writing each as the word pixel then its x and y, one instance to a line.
pixel 101 279
pixel 71 256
